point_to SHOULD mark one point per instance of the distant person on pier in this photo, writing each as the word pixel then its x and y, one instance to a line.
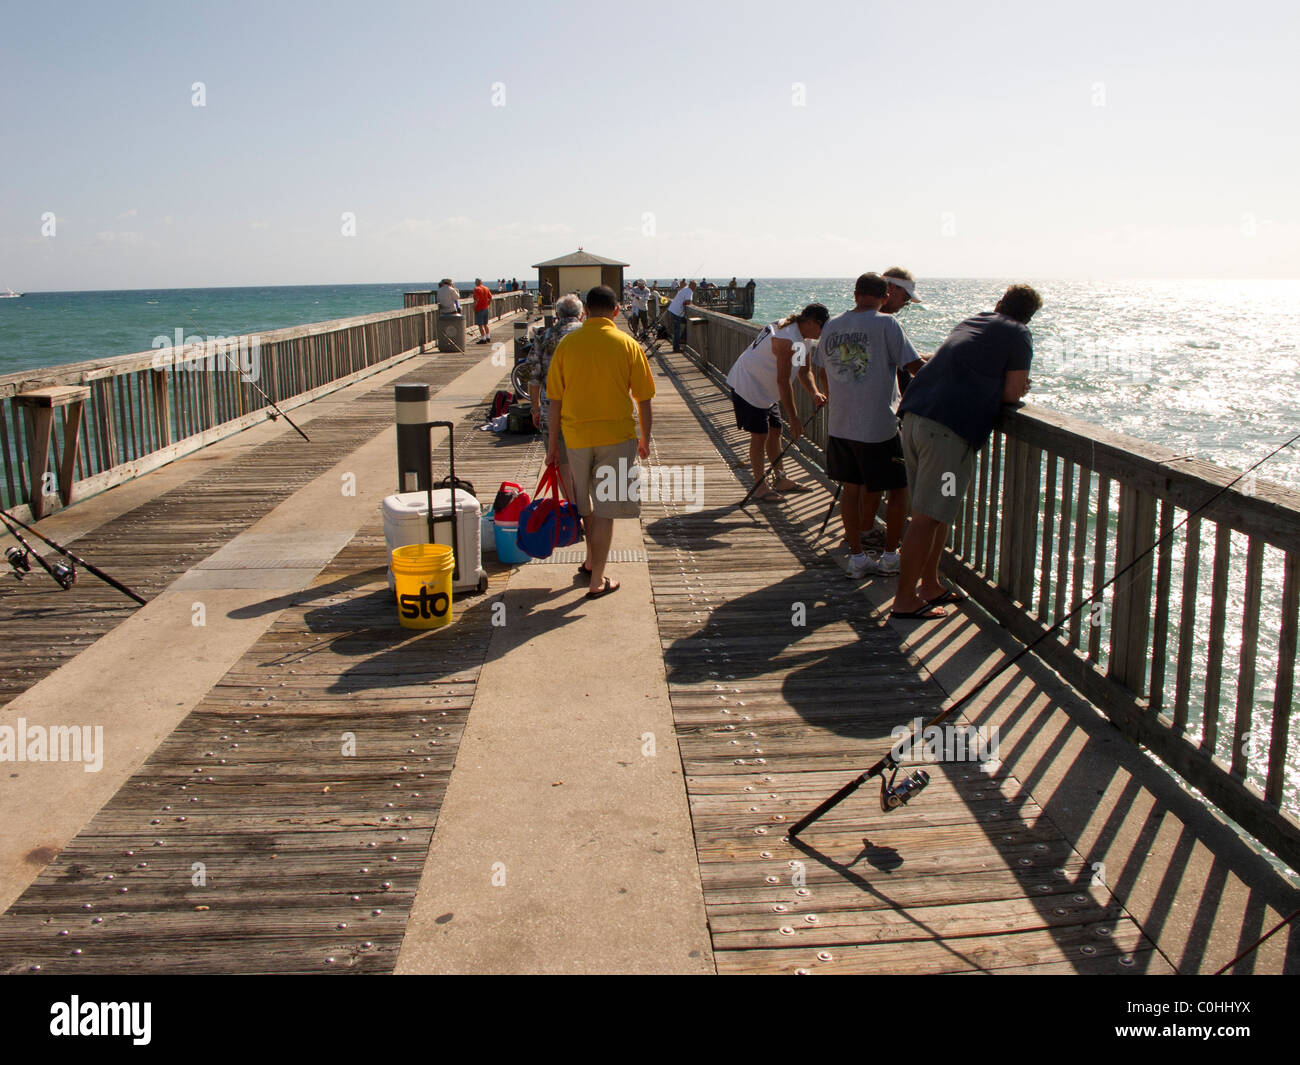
pixel 639 319
pixel 596 374
pixel 948 415
pixel 760 383
pixel 568 317
pixel 857 361
pixel 682 299
pixel 545 292
pixel 482 306
pixel 448 297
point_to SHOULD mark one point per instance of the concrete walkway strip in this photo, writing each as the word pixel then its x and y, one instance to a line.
pixel 142 678
pixel 564 844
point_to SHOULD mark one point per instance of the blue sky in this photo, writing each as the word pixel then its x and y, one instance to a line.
pixel 819 139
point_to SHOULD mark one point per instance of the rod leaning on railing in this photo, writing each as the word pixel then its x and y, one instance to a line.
pixel 1192 653
pixel 130 414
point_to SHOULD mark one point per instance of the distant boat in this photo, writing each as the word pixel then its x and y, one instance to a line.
pixel 9 294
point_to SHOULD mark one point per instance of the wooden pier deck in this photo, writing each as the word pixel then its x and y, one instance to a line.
pixel 308 862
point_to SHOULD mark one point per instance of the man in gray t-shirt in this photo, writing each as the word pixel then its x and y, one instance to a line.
pixel 857 361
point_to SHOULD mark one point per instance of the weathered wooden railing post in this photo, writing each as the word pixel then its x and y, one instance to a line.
pixel 1130 626
pixel 161 405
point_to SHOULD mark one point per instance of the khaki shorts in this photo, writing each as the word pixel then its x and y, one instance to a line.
pixel 606 480
pixel 939 468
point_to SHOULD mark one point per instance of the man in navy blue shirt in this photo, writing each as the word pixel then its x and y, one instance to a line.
pixel 948 415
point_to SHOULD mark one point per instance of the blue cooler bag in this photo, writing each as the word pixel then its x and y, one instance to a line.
pixel 550 520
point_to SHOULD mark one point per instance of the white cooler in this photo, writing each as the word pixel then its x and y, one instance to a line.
pixel 406 522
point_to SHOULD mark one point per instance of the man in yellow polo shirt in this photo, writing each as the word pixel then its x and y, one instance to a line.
pixel 596 373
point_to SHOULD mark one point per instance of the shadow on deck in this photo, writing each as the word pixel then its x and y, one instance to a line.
pixel 253 841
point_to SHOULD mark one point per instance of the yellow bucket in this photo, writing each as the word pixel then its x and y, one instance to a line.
pixel 422 574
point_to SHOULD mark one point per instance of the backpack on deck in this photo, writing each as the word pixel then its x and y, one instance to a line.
pixel 519 418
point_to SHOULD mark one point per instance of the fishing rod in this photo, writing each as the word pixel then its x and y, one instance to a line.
pixel 64 581
pixel 775 463
pixel 891 796
pixel 831 510
pixel 19 559
pixel 276 412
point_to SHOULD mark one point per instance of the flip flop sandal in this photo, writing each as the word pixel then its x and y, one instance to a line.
pixel 948 596
pixel 583 573
pixel 608 589
pixel 925 613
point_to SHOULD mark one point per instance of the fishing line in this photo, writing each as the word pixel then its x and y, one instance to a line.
pixel 1259 942
pixel 891 797
pixel 277 412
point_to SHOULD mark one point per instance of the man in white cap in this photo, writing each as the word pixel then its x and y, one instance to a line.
pixel 902 290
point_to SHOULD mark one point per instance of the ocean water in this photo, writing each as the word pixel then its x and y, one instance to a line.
pixel 52 328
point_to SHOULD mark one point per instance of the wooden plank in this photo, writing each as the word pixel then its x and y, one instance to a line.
pixel 997 474
pixel 1242 734
pixel 1130 634
pixel 1063 543
pixel 1049 523
pixel 1187 623
pixel 1097 619
pixel 1026 515
pixel 72 416
pixel 40 422
pixel 1080 553
pixel 1214 653
pixel 1007 521
pixel 1284 689
pixel 1160 623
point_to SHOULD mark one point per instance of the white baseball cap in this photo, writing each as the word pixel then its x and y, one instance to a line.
pixel 907 285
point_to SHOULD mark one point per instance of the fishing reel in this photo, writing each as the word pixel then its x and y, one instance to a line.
pixel 19 564
pixel 65 573
pixel 892 795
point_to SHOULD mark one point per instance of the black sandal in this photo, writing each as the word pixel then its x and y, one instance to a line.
pixel 609 589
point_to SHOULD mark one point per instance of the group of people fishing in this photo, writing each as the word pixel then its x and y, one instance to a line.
pixel 899 425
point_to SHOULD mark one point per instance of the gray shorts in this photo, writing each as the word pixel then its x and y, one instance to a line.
pixel 606 480
pixel 939 468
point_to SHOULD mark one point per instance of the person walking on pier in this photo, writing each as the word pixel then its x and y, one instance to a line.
pixel 544 290
pixel 482 305
pixel 677 309
pixel 948 416
pixel 596 373
pixel 568 317
pixel 760 383
pixel 858 358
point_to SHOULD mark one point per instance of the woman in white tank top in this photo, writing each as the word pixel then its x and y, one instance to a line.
pixel 760 387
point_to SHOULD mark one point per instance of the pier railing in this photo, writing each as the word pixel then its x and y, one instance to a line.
pixel 133 413
pixel 1191 654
